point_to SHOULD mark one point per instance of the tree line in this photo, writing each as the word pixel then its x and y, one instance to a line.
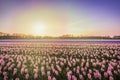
pixel 24 36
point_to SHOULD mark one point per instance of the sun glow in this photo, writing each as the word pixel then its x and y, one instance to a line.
pixel 38 28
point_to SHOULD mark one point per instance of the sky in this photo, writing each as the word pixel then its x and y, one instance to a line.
pixel 59 17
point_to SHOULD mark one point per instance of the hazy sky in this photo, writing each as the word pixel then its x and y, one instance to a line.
pixel 58 17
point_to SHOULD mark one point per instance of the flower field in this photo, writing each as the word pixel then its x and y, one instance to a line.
pixel 59 61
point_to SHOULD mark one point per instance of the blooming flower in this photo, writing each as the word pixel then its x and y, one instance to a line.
pixel 27 76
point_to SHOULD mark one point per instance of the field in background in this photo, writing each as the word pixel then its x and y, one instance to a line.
pixel 65 60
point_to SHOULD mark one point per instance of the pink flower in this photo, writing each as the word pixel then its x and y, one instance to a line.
pixel 17 78
pixel 58 67
pixel 82 69
pixel 67 68
pixel 69 77
pixel 115 72
pixel 5 78
pixel 69 73
pixel 42 68
pixel 36 70
pixel 105 74
pixel 9 68
pixel 5 73
pixel 97 75
pixel 73 77
pixel 49 77
pixel 43 73
pixel 22 70
pixel 78 71
pixel 48 73
pixel 111 78
pixel 14 71
pixel 110 67
pixel 87 64
pixel 61 63
pixel 69 64
pixel 84 73
pixel 27 76
pixel 26 70
pixel 56 72
pixel 80 77
pixel 89 76
pixel 53 78
pixel 109 72
pixel 35 76
pixel 18 65
pixel 90 71
pixel 2 62
pixel 8 64
pixel 0 72
pixel 94 64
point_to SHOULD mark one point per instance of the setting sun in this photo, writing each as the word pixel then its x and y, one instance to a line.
pixel 38 28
